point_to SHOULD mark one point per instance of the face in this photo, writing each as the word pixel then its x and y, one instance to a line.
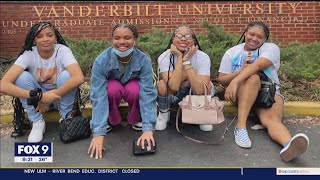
pixel 123 39
pixel 183 39
pixel 254 37
pixel 45 40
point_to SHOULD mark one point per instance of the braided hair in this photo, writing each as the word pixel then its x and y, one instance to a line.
pixel 253 24
pixel 35 30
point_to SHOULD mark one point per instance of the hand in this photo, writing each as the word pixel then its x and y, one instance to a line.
pixel 96 147
pixel 191 51
pixel 42 107
pixel 49 97
pixel 175 51
pixel 148 135
pixel 247 61
pixel 231 91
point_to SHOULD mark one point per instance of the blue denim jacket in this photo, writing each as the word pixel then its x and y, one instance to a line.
pixel 107 66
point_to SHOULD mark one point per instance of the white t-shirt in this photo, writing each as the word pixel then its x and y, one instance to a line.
pixel 46 71
pixel 200 62
pixel 234 58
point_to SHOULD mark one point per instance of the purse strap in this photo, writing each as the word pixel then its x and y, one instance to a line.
pixel 199 141
pixel 76 110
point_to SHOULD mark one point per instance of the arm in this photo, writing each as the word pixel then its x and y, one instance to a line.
pixel 77 78
pixel 175 76
pixel 147 102
pixel 196 80
pixel 226 78
pixel 100 110
pixel 260 64
pixel 7 83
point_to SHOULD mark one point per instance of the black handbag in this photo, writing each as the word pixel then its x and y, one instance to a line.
pixel 265 98
pixel 75 126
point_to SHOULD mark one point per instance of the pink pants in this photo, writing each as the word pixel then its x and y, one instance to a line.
pixel 129 92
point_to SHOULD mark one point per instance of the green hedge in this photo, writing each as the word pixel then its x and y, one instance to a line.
pixel 298 60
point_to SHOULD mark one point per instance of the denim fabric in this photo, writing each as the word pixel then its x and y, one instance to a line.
pixel 107 66
pixel 27 81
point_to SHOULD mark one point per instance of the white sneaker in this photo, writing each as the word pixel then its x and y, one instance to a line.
pixel 137 126
pixel 206 127
pixel 36 134
pixel 162 120
pixel 297 145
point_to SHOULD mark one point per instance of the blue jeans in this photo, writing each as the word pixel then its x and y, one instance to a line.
pixel 165 102
pixel 28 82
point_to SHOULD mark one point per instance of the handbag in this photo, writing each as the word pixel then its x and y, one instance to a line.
pixel 265 97
pixel 201 109
pixel 75 126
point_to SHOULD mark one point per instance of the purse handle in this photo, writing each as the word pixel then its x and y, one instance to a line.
pixel 206 102
pixel 76 111
pixel 199 141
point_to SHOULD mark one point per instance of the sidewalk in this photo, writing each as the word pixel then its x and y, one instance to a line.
pixel 173 150
pixel 292 108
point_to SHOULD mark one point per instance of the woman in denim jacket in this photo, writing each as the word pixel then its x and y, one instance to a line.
pixel 122 71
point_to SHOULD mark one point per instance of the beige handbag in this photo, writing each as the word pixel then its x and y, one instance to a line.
pixel 201 109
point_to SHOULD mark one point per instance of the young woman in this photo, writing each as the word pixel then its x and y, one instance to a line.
pixel 122 71
pixel 182 65
pixel 239 72
pixel 45 72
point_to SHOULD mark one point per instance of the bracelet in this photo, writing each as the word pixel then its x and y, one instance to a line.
pixel 186 68
pixel 35 97
pixel 186 62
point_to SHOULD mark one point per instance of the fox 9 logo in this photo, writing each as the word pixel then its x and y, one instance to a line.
pixel 32 149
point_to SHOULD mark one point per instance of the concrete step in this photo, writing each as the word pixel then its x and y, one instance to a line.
pixel 291 109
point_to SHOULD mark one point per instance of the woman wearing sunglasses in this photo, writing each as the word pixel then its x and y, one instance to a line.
pixel 182 65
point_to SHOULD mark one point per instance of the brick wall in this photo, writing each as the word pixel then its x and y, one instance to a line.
pixel 288 20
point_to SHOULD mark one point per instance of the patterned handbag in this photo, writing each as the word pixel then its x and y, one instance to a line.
pixel 75 126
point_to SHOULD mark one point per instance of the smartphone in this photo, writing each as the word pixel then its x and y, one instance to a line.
pixel 137 150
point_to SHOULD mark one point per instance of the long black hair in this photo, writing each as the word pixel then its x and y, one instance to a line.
pixel 34 31
pixel 256 23
pixel 20 123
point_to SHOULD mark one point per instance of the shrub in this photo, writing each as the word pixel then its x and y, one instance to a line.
pixel 86 51
pixel 300 60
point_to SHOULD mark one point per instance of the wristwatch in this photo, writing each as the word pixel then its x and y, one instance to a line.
pixel 186 62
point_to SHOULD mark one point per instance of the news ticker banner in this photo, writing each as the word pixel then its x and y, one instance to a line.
pixel 189 173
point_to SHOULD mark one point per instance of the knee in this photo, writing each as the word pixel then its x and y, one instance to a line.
pixel 63 77
pixel 25 77
pixel 271 120
pixel 113 90
pixel 133 90
pixel 254 79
